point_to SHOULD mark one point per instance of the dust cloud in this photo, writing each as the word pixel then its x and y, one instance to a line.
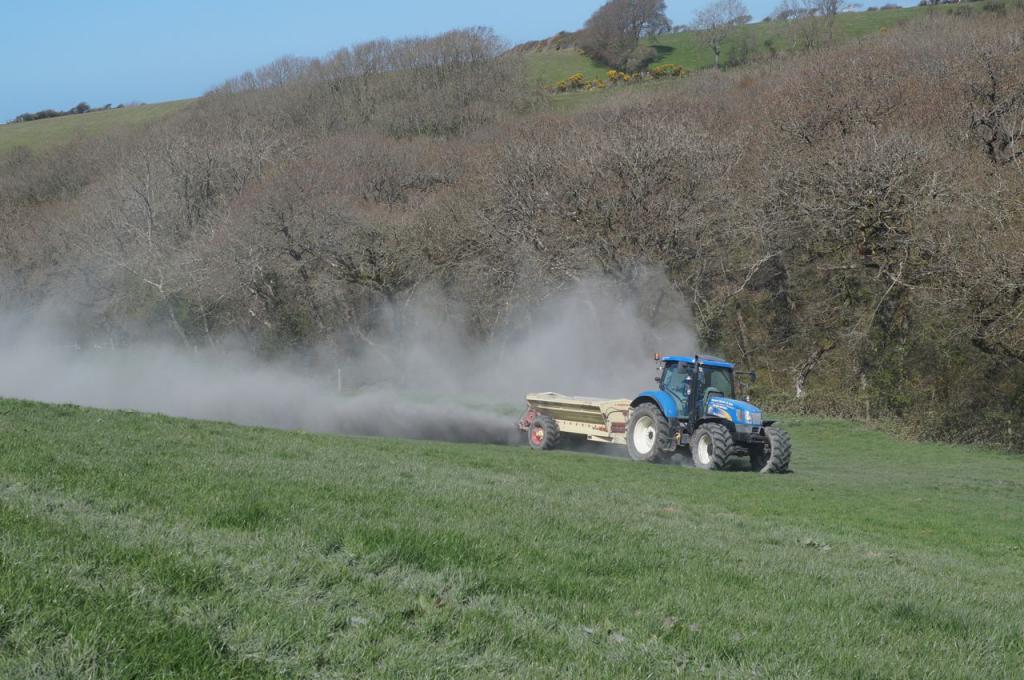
pixel 422 377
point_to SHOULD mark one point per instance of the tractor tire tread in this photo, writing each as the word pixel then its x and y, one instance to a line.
pixel 781 450
pixel 723 448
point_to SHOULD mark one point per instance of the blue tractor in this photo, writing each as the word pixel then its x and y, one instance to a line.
pixel 695 405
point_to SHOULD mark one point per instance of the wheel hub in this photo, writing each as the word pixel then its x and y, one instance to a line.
pixel 704 450
pixel 644 435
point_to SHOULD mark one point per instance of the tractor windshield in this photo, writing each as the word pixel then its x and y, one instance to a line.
pixel 676 381
pixel 718 380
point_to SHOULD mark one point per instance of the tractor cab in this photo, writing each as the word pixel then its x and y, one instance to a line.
pixel 704 388
pixel 692 383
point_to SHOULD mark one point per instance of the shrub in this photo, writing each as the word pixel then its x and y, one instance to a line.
pixel 578 81
pixel 640 58
pixel 740 52
pixel 667 71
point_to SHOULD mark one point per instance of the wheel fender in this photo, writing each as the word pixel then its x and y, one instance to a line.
pixel 664 401
pixel 729 425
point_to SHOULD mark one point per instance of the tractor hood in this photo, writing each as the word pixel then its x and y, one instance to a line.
pixel 734 410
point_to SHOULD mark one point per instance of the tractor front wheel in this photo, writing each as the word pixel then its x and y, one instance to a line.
pixel 774 457
pixel 711 446
pixel 543 433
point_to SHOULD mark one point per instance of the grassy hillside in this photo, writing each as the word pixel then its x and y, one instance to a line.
pixel 134 545
pixel 39 134
pixel 546 66
pixel 687 50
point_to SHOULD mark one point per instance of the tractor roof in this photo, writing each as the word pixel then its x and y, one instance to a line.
pixel 704 359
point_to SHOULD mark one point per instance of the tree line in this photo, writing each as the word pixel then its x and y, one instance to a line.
pixel 613 35
pixel 81 107
pixel 846 222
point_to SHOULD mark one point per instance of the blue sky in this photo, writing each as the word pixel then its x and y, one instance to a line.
pixel 56 53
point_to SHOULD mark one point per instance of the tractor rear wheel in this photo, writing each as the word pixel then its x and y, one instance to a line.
pixel 711 446
pixel 775 455
pixel 648 435
pixel 543 433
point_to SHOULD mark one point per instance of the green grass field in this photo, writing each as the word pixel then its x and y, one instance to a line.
pixel 145 546
pixel 40 134
pixel 686 49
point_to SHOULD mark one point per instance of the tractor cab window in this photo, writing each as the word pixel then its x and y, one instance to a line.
pixel 717 380
pixel 676 381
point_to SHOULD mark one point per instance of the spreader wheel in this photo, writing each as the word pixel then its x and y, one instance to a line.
pixel 543 433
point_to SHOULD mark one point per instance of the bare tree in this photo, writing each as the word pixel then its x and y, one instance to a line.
pixel 612 34
pixel 828 10
pixel 812 15
pixel 717 20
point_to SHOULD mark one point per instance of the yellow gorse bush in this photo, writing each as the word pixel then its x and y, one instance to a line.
pixel 578 81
